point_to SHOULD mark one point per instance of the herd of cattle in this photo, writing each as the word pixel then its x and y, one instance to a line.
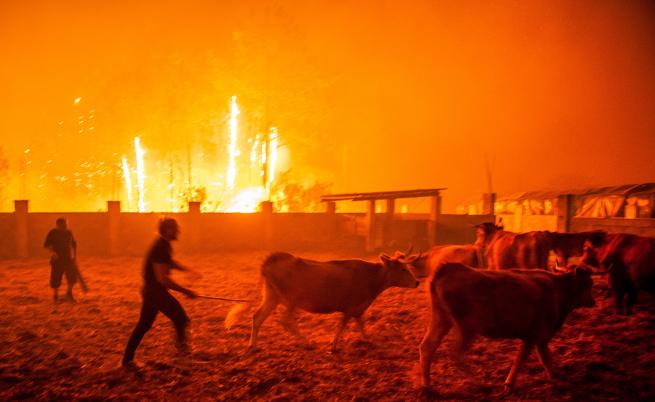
pixel 473 288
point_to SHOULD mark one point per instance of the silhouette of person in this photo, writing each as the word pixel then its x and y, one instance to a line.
pixel 63 248
pixel 156 298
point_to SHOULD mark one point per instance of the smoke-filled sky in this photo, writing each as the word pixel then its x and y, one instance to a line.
pixel 367 95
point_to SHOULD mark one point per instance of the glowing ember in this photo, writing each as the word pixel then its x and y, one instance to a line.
pixel 272 139
pixel 140 175
pixel 232 150
pixel 127 179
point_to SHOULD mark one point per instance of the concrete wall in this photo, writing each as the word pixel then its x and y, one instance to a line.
pixel 103 233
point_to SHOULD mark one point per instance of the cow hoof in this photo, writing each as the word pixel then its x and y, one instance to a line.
pixel 507 389
pixel 427 392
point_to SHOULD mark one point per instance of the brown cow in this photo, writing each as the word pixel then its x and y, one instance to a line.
pixel 566 245
pixel 632 262
pixel 505 250
pixel 530 305
pixel 346 286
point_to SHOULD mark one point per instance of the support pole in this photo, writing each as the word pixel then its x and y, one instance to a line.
pixel 370 219
pixel 565 212
pixel 435 211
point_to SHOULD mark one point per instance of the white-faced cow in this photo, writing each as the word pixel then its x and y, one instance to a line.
pixel 345 286
pixel 526 304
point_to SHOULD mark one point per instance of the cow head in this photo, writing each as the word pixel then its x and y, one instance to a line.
pixel 484 231
pixel 415 262
pixel 396 272
pixel 582 284
pixel 589 255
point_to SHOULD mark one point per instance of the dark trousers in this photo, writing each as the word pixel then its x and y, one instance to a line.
pixel 59 267
pixel 154 301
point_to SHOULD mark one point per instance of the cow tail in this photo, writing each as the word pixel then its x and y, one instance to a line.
pixel 234 316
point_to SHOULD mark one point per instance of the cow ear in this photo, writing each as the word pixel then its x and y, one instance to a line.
pixel 384 258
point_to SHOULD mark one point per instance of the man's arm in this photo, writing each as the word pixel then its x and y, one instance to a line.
pixel 47 244
pixel 162 276
pixel 177 265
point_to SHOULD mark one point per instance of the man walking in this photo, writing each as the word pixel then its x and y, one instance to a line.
pixel 156 298
pixel 63 248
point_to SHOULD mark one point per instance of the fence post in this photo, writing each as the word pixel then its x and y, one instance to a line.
pixel 565 212
pixel 113 226
pixel 267 218
pixel 21 210
pixel 435 211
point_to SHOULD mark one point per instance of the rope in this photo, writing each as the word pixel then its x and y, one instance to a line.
pixel 223 298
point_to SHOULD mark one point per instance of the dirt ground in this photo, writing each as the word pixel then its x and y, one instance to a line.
pixel 72 351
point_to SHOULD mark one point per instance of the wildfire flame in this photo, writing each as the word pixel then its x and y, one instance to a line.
pixel 239 193
pixel 140 175
pixel 232 150
pixel 127 179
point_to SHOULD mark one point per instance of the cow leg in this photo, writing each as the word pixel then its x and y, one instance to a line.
pixel 526 348
pixel 289 323
pixel 462 344
pixel 438 328
pixel 342 326
pixel 269 303
pixel 360 326
pixel 544 357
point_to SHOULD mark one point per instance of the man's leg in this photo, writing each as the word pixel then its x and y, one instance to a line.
pixel 55 279
pixel 71 279
pixel 146 319
pixel 174 311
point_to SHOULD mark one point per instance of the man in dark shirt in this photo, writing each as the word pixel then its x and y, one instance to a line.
pixel 156 298
pixel 63 248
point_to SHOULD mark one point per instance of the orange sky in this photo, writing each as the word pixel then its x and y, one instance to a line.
pixel 367 95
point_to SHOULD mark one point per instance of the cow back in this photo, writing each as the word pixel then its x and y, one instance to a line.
pixel 346 286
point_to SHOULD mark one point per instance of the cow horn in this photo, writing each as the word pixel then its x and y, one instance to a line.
pixel 409 250
pixel 603 272
pixel 410 259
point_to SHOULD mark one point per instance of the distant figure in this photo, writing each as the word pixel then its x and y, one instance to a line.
pixel 156 298
pixel 63 248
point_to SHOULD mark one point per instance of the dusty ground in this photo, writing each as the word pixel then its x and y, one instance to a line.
pixel 72 351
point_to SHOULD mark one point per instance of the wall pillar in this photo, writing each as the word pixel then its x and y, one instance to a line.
pixel 267 223
pixel 370 220
pixel 331 212
pixel 21 210
pixel 113 227
pixel 435 211
pixel 565 212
